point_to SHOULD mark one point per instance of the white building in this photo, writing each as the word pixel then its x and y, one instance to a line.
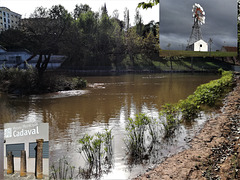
pixel 8 19
pixel 198 46
pixel 14 57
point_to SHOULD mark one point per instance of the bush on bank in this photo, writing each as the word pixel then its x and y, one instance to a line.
pixel 205 94
pixel 26 82
pixel 186 110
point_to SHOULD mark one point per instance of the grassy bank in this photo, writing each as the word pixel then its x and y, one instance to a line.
pixel 159 64
pixel 164 53
pixel 191 64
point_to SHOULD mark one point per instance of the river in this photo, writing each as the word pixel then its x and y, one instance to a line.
pixel 108 101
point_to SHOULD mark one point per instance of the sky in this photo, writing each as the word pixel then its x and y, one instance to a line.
pixel 176 17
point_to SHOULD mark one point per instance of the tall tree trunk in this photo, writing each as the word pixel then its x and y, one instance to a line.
pixel 42 64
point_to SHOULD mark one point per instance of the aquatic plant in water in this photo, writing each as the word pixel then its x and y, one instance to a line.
pixel 140 129
pixel 171 122
pixel 62 170
pixel 97 151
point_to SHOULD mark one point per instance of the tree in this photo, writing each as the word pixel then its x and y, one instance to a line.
pixel 43 31
pixel 12 39
pixel 115 14
pixel 126 19
pixel 104 9
pixel 117 53
pixel 79 9
pixel 150 46
pixel 149 4
pixel 150 27
pixel 139 23
pixel 133 43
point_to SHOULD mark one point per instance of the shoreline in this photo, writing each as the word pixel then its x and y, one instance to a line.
pixel 214 153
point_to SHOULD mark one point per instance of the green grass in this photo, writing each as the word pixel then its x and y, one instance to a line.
pixel 186 64
pixel 164 53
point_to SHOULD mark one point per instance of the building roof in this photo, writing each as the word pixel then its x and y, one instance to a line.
pixel 9 10
pixel 1 47
pixel 230 48
pixel 19 50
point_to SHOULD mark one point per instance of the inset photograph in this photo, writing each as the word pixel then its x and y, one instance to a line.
pixel 26 150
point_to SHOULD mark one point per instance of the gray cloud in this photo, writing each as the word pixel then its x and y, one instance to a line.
pixel 176 22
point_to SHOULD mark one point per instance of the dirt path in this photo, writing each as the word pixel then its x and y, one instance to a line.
pixel 214 153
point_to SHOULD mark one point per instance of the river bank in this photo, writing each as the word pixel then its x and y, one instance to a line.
pixel 214 153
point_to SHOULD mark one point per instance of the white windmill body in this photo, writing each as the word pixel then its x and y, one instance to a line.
pixel 196 42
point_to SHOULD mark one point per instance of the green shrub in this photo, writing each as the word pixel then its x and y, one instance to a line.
pixel 26 81
pixel 209 93
pixel 205 94
pixel 170 112
pixel 189 108
pixel 97 151
pixel 138 130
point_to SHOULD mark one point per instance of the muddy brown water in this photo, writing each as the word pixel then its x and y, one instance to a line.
pixel 107 101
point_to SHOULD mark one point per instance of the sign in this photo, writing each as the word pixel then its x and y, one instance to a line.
pixel 20 132
pixel 23 136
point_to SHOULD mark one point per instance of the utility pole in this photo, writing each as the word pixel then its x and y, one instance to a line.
pixel 210 46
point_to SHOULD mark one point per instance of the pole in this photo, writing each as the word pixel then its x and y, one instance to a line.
pixel 39 168
pixel 23 171
pixel 10 163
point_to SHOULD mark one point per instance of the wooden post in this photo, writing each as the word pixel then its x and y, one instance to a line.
pixel 10 163
pixel 23 171
pixel 39 159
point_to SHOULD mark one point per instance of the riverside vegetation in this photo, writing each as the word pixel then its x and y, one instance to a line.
pixel 97 152
pixel 143 132
pixel 26 82
pixel 141 128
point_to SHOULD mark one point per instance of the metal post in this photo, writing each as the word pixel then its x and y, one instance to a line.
pixel 23 171
pixel 39 159
pixel 10 163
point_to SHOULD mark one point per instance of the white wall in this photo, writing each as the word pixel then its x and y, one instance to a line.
pixel 200 46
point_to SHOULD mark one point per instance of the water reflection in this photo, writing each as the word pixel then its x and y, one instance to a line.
pixel 108 101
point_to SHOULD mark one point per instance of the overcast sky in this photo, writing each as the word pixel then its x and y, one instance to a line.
pixel 176 17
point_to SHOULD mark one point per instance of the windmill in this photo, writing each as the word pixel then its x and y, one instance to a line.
pixel 198 20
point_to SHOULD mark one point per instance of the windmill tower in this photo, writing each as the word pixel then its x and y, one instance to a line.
pixel 196 34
